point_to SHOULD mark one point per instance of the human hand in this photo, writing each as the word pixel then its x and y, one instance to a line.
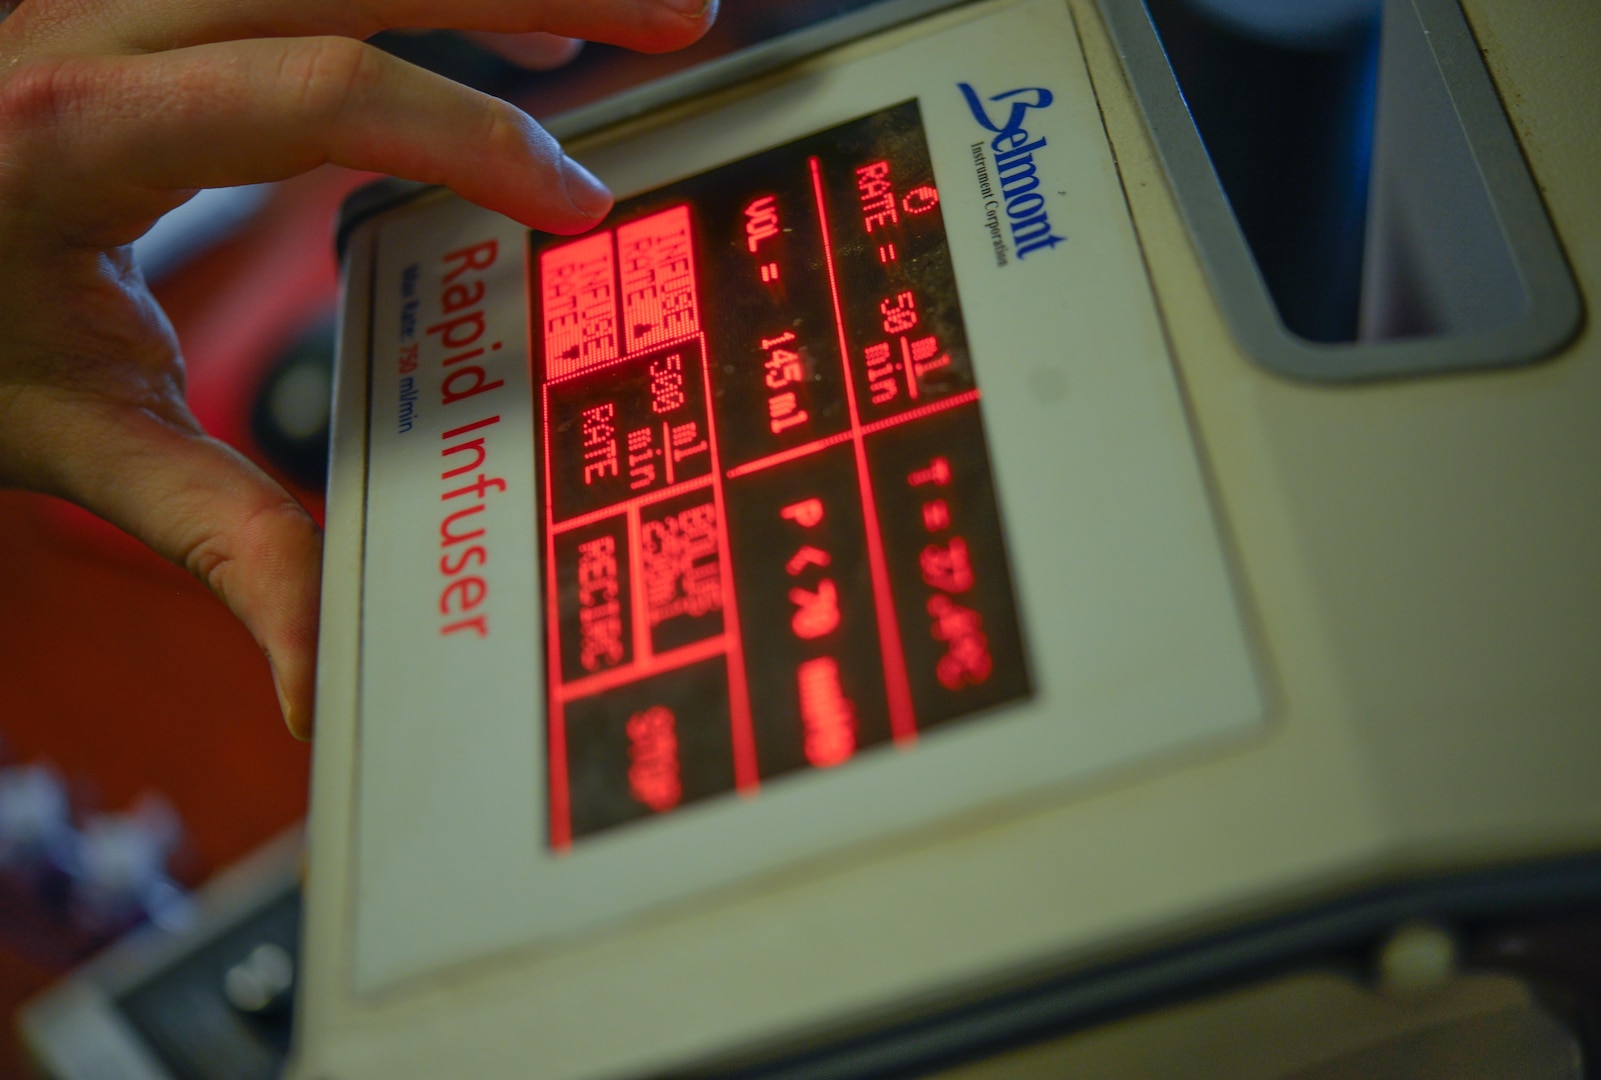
pixel 538 52
pixel 114 112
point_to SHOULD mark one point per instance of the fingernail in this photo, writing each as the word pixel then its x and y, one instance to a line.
pixel 283 702
pixel 688 7
pixel 588 195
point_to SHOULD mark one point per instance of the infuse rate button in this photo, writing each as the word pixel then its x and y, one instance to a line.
pixel 656 264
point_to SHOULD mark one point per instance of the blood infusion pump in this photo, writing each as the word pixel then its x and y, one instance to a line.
pixel 880 573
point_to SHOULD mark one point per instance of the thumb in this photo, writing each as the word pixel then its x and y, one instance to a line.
pixel 199 503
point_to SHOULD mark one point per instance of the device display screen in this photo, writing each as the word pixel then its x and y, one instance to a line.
pixel 769 529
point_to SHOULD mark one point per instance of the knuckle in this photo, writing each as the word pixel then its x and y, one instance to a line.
pixel 209 560
pixel 35 95
pixel 507 132
pixel 326 74
pixel 38 98
pixel 217 557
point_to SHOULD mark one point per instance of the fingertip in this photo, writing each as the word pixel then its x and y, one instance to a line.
pixel 297 709
pixel 271 579
pixel 536 52
pixel 693 19
pixel 203 505
pixel 585 193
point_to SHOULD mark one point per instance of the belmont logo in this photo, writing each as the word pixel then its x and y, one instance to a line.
pixel 1014 164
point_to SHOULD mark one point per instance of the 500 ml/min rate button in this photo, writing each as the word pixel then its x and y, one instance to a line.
pixel 628 430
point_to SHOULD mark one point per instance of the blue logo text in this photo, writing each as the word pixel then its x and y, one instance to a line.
pixel 1014 163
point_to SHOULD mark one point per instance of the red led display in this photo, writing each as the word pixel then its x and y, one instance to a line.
pixel 770 534
pixel 579 309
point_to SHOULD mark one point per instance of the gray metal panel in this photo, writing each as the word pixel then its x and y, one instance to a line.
pixel 743 65
pixel 1536 330
pixel 1051 1006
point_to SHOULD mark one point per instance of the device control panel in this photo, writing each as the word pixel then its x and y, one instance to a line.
pixel 771 539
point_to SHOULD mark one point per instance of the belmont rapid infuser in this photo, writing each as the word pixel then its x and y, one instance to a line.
pixel 866 578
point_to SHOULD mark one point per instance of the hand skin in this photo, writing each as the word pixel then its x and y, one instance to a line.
pixel 538 52
pixel 113 112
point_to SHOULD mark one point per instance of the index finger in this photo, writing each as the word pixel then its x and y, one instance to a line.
pixel 146 26
pixel 247 111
